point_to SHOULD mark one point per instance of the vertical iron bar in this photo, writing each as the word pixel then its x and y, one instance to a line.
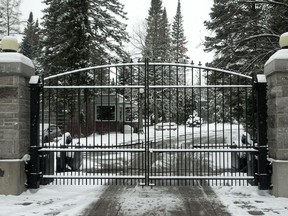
pixel 215 116
pixel 192 98
pixel 147 143
pixel 231 121
pixel 114 121
pixel 33 175
pixel 247 131
pixel 200 114
pixel 254 128
pixel 177 122
pixel 132 117
pixel 162 115
pixel 118 82
pixel 261 88
pixel 208 112
pixel 239 95
pixel 224 118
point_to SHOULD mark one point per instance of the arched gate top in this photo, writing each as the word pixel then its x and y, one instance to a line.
pixel 181 65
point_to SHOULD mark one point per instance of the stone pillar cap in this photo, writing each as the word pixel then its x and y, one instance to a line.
pixel 13 63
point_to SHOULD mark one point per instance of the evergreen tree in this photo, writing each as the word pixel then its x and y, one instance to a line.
pixel 9 17
pixel 153 38
pixel 178 54
pixel 242 40
pixel 80 33
pixel 66 42
pixel 278 18
pixel 108 33
pixel 165 37
pixel 30 44
pixel 157 47
pixel 178 37
pixel 37 47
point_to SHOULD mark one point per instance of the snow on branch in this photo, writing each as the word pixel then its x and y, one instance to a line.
pixel 259 36
pixel 266 2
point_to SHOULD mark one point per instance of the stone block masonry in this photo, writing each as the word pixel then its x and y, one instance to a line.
pixel 14 117
pixel 276 71
pixel 15 73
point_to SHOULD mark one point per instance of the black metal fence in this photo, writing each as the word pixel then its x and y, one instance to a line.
pixel 148 123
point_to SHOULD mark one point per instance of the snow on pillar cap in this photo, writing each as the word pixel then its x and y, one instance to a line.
pixel 9 44
pixel 283 41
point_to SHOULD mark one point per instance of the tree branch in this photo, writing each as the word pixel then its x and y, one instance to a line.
pixel 259 36
pixel 266 2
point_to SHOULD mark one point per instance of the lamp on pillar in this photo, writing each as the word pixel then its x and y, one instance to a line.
pixel 283 41
pixel 9 44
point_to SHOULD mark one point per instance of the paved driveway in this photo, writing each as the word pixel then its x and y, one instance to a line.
pixel 159 200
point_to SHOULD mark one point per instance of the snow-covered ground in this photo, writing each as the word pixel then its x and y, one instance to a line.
pixel 72 200
pixel 220 132
pixel 248 200
pixel 205 136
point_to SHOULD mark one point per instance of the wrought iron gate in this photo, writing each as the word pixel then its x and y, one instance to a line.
pixel 144 123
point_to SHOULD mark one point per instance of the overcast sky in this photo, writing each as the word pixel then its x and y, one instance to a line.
pixel 194 14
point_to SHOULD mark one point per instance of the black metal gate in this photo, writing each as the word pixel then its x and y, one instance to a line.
pixel 145 123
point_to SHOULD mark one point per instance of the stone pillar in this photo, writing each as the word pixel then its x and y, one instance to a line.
pixel 276 71
pixel 15 72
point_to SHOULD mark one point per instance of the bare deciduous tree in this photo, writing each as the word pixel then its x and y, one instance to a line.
pixel 9 17
pixel 138 35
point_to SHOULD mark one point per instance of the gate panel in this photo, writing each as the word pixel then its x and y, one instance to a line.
pixel 213 151
pixel 148 123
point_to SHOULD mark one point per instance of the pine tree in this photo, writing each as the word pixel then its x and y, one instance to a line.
pixel 107 33
pixel 157 48
pixel 178 37
pixel 30 44
pixel 66 42
pixel 9 17
pixel 165 37
pixel 153 39
pixel 242 42
pixel 80 33
pixel 37 47
pixel 278 18
pixel 178 54
pixel 77 34
pixel 242 39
